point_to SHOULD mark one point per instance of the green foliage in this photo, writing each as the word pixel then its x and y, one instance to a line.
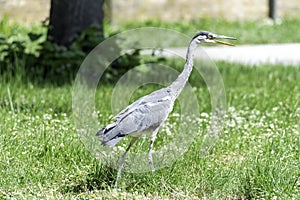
pixel 18 45
pixel 256 156
pixel 26 48
pixel 60 61
pixel 247 32
pixel 43 60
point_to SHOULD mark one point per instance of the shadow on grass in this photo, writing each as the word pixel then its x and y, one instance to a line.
pixel 101 178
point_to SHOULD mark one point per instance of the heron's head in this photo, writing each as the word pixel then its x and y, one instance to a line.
pixel 208 37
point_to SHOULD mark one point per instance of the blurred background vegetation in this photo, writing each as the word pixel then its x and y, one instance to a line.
pixel 36 52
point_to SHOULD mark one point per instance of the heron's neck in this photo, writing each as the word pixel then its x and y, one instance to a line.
pixel 177 86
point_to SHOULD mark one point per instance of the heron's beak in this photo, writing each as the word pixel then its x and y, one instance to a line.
pixel 223 37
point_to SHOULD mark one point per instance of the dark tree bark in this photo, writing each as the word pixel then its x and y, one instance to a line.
pixel 69 17
pixel 273 9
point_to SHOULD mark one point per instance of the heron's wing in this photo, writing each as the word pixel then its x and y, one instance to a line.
pixel 143 117
pixel 145 114
pixel 153 97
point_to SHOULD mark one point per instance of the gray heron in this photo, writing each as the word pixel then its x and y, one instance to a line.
pixel 149 112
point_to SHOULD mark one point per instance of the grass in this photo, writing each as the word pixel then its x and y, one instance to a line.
pixel 247 32
pixel 256 156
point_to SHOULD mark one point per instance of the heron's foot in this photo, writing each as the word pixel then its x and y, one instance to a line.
pixel 151 162
pixel 152 168
pixel 121 165
pixel 116 184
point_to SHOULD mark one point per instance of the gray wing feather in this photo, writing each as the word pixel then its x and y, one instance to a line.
pixel 145 114
pixel 155 96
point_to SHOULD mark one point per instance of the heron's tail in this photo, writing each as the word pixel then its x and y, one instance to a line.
pixel 110 135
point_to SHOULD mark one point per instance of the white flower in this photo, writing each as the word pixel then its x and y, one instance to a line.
pixel 231 123
pixel 204 115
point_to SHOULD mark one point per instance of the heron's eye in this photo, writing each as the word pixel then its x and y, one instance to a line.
pixel 209 36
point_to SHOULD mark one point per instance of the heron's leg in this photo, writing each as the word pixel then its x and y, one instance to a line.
pixel 153 137
pixel 122 160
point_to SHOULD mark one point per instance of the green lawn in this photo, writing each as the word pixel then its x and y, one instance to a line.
pixel 247 32
pixel 256 156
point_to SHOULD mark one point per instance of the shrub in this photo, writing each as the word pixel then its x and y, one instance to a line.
pixel 28 48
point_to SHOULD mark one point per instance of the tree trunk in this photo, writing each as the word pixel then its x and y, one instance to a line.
pixel 69 18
